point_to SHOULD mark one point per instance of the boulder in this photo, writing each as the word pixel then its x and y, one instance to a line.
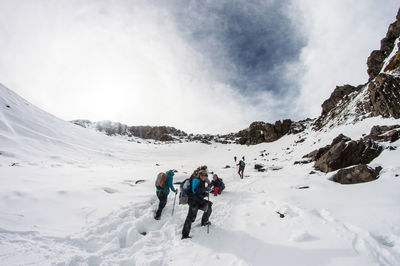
pixel 344 154
pixel 356 174
pixel 259 167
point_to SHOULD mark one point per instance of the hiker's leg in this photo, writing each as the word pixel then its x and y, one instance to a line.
pixel 191 216
pixel 163 201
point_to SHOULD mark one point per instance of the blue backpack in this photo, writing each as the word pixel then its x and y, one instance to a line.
pixel 242 163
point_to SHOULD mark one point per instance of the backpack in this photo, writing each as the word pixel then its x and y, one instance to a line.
pixel 161 181
pixel 242 164
pixel 222 184
pixel 185 191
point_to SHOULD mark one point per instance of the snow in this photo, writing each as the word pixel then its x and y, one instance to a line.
pixel 72 198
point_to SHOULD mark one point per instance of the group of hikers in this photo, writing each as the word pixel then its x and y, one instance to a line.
pixel 194 191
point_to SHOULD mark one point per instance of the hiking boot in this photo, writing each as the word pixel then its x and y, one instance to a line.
pixel 206 223
pixel 185 237
pixel 157 217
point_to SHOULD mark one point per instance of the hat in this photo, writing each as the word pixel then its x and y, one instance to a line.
pixel 170 173
pixel 202 173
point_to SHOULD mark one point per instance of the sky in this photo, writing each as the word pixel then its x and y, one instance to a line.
pixel 200 66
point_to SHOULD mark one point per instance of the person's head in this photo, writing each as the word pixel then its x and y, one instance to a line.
pixel 170 173
pixel 204 167
pixel 215 177
pixel 202 175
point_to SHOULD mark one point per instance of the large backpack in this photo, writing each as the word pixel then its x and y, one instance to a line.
pixel 161 181
pixel 185 191
pixel 242 163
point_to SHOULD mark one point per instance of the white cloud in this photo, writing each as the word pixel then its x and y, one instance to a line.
pixel 124 62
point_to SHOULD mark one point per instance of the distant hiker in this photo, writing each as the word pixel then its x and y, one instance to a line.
pixel 243 158
pixel 217 184
pixel 241 164
pixel 196 201
pixel 235 158
pixel 163 184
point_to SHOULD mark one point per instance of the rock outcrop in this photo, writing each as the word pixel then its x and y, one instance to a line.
pixel 260 132
pixel 384 93
pixel 376 60
pixel 343 152
pixel 356 174
pixel 160 133
pixel 379 97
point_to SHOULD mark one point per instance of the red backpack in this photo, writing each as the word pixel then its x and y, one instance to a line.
pixel 161 181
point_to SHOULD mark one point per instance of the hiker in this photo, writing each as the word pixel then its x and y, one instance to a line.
pixel 217 184
pixel 163 190
pixel 195 173
pixel 196 201
pixel 241 164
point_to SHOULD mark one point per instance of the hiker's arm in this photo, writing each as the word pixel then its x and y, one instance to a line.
pixel 170 184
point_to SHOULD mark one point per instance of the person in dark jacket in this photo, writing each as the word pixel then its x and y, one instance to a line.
pixel 217 185
pixel 241 164
pixel 196 201
pixel 162 194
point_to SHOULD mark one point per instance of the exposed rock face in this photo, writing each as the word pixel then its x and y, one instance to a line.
pixel 384 133
pixel 384 93
pixel 260 132
pixel 343 153
pixel 357 174
pixel 379 97
pixel 339 94
pixel 160 133
pixel 376 59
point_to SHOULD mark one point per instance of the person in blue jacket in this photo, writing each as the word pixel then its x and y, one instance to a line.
pixel 196 201
pixel 162 194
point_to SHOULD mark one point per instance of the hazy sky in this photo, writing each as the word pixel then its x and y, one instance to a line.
pixel 209 66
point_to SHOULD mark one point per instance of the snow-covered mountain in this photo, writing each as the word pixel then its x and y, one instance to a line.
pixel 73 196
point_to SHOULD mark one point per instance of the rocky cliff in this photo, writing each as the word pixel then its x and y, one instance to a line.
pixel 380 96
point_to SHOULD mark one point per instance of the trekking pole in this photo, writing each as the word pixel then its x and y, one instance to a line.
pixel 173 207
pixel 208 225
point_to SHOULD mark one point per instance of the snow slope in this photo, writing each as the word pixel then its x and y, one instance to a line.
pixel 71 196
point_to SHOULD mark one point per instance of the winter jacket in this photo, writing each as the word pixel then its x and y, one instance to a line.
pixel 217 183
pixel 198 193
pixel 169 185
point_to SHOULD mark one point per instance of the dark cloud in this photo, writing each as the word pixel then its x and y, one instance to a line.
pixel 246 43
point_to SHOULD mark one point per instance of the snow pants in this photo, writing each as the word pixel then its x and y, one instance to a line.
pixel 191 216
pixel 163 201
pixel 240 172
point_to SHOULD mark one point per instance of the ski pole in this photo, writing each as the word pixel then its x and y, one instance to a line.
pixel 173 207
pixel 208 225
